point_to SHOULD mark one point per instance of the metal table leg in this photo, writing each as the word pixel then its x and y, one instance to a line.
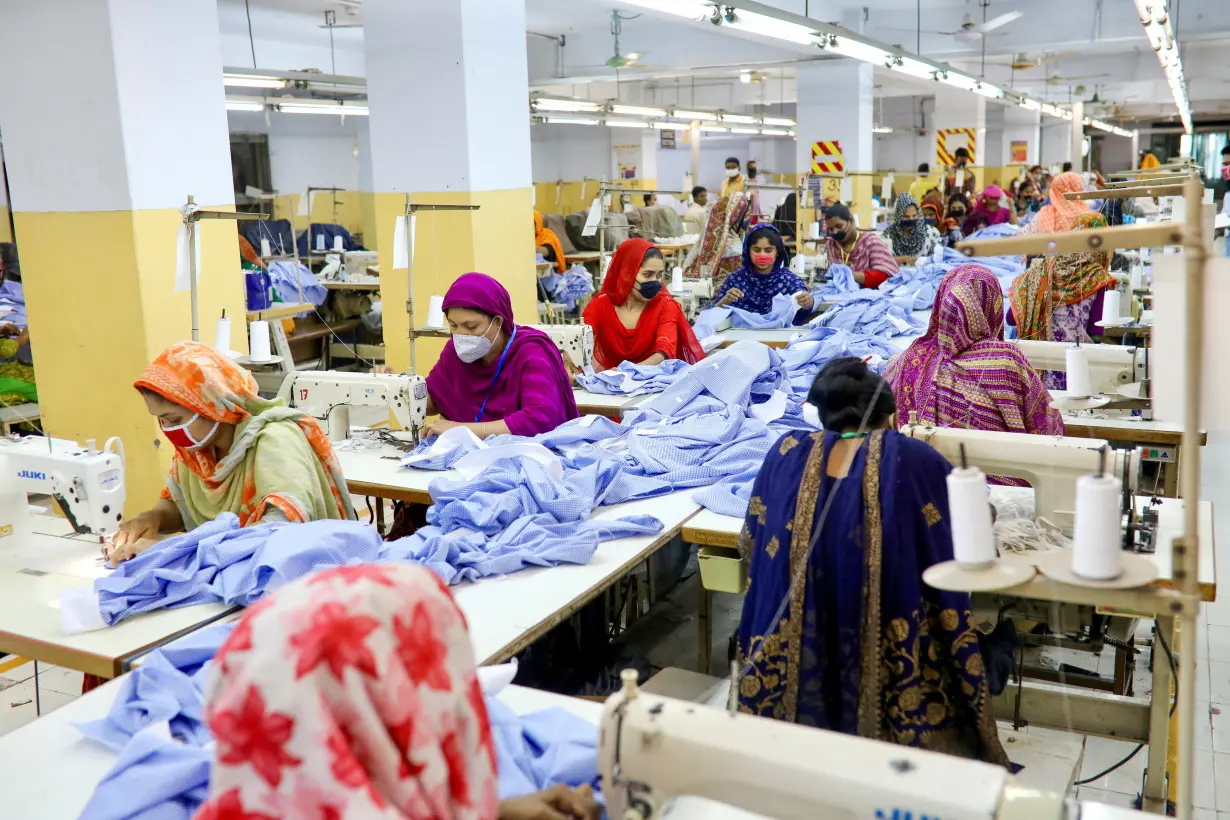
pixel 704 650
pixel 1159 720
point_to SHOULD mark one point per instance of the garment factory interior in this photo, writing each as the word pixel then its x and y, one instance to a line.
pixel 852 446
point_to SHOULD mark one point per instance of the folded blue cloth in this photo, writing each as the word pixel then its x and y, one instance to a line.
pixel 289 278
pixel 633 379
pixel 542 749
pixel 872 313
pixel 783 314
pixel 576 283
pixel 838 285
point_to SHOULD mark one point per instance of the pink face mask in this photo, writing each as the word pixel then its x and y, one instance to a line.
pixel 763 260
pixel 1225 173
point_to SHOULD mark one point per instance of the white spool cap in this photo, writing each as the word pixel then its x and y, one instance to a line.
pixel 1096 551
pixel 222 335
pixel 1110 305
pixel 813 230
pixel 1079 384
pixel 677 278
pixel 798 265
pixel 973 542
pixel 258 341
pixel 338 244
pixel 435 312
pixel 266 250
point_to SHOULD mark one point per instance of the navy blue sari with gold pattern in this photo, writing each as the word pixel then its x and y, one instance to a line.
pixel 862 646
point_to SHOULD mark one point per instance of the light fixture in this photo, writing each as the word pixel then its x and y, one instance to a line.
pixel 1030 104
pixel 571 120
pixel 252 81
pixel 336 109
pixel 774 132
pixel 1156 21
pixel 765 26
pixel 637 111
pixel 244 105
pixel 914 68
pixel 856 50
pixel 714 129
pixel 778 121
pixel 745 77
pixel 745 130
pixel 680 8
pixel 626 124
pixel 957 80
pixel 881 129
pixel 703 116
pixel 743 118
pixel 993 92
pixel 668 126
pixel 554 104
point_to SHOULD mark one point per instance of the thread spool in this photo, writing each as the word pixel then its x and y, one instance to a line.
pixel 1138 277
pixel 338 244
pixel 1079 383
pixel 813 230
pixel 1110 306
pixel 798 265
pixel 435 312
pixel 320 241
pixel 222 334
pixel 1095 550
pixel 258 341
pixel 677 278
pixel 266 250
pixel 973 542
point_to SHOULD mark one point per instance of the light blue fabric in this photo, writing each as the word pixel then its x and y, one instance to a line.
pixel 838 285
pixel 633 379
pixel 807 354
pixel 289 276
pixel 13 296
pixel 542 749
pixel 781 315
pixel 872 313
pixel 577 283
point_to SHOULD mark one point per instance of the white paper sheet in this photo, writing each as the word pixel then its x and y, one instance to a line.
pixel 183 275
pixel 401 256
pixel 771 410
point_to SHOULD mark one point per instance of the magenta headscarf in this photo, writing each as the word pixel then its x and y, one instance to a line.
pixel 532 394
pixel 962 373
pixel 980 217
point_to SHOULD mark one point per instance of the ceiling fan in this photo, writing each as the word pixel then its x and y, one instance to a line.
pixel 619 59
pixel 973 32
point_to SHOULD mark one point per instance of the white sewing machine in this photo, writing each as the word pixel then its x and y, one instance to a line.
pixel 652 750
pixel 328 395
pixel 1109 365
pixel 1051 464
pixel 575 342
pixel 87 482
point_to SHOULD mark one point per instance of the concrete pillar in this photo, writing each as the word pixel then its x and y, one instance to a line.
pixel 836 105
pixel 124 117
pixel 1078 136
pixel 965 111
pixel 447 85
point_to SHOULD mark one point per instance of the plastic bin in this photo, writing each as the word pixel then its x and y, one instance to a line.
pixel 721 569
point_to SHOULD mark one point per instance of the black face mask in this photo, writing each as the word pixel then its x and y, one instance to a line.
pixel 751 172
pixel 932 220
pixel 957 214
pixel 840 236
pixel 650 289
pixel 909 223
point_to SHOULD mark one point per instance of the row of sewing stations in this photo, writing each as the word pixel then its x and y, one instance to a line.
pixel 507 614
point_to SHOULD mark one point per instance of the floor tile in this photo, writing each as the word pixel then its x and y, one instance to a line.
pixel 1219 643
pixel 59 679
pixel 1101 753
pixel 1221 770
pixel 17 705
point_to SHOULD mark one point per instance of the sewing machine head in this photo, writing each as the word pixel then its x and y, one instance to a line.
pixel 86 482
pixel 1110 366
pixel 1051 464
pixel 652 750
pixel 328 395
pixel 575 342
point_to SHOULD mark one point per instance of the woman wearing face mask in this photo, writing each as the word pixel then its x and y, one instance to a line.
pixel 234 451
pixel 763 276
pixel 989 211
pixel 863 252
pixel 495 376
pixel 634 318
pixel 909 236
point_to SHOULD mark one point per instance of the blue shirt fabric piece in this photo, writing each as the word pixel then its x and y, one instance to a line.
pixel 539 750
pixel 807 354
pixel 838 285
pixel 574 284
pixel 289 278
pixel 633 379
pixel 783 312
pixel 872 313
pixel 13 296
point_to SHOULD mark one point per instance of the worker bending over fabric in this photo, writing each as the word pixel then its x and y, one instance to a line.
pixel 863 252
pixel 495 376
pixel 352 693
pixel 764 275
pixel 634 318
pixel 865 647
pixel 548 244
pixel 234 451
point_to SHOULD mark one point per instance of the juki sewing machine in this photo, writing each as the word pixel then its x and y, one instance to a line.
pixel 328 395
pixel 88 483
pixel 1051 464
pixel 575 342
pixel 652 750
pixel 1110 366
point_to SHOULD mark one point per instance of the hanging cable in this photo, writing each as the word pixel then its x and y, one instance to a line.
pixel 247 10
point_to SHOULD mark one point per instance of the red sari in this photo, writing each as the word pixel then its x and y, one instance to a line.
pixel 661 328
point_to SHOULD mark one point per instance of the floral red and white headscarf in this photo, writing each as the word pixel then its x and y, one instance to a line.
pixel 351 693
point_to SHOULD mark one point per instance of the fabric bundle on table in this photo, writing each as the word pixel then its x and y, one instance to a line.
pixel 572 285
pixel 807 354
pixel 839 285
pixel 291 278
pixel 872 313
pixel 13 303
pixel 782 315
pixel 157 728
pixel 633 379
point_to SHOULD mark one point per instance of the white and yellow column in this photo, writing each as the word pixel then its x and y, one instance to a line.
pixel 447 85
pixel 961 122
pixel 836 99
pixel 112 113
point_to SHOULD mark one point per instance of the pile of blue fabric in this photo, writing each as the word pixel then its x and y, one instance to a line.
pixel 872 313
pixel 807 354
pixel 157 728
pixel 633 379
pixel 838 285
pixel 568 288
pixel 782 315
pixel 289 277
pixel 13 297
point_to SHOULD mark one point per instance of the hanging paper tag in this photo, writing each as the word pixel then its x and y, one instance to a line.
pixel 886 189
pixel 183 280
pixel 266 251
pixel 593 218
pixel 305 203
pixel 401 255
pixel 847 190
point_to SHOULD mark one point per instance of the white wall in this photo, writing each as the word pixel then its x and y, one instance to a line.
pixel 904 149
pixel 572 152
pixel 1056 142
pixel 311 150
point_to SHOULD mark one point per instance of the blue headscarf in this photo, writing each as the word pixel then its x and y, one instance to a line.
pixel 760 288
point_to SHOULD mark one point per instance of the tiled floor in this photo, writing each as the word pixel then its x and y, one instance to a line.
pixel 57 687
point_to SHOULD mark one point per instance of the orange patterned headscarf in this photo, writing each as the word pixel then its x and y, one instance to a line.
pixel 1061 214
pixel 546 236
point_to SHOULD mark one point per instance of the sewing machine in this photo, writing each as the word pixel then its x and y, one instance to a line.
pixel 88 483
pixel 1110 366
pixel 575 342
pixel 328 395
pixel 1051 464
pixel 652 750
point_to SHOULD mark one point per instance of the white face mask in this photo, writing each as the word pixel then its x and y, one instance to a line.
pixel 472 348
pixel 732 172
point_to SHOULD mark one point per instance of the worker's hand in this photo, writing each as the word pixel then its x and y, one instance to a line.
pixel 732 295
pixel 805 300
pixel 437 427
pixel 135 536
pixel 555 803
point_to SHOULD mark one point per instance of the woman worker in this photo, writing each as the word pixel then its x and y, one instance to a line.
pixel 719 250
pixel 352 693
pixel 989 211
pixel 1060 214
pixel 863 252
pixel 495 376
pixel 909 237
pixel 865 647
pixel 548 244
pixel 763 276
pixel 634 318
pixel 962 373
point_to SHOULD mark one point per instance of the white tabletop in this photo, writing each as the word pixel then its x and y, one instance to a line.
pixel 371 470
pixel 713 529
pixel 777 337
pixel 601 404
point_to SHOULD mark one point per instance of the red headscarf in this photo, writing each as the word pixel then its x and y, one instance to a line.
pixel 662 327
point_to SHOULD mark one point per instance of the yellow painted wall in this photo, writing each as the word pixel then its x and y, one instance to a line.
pixel 99 294
pixel 6 234
pixel 497 240
pixel 349 210
pixel 370 233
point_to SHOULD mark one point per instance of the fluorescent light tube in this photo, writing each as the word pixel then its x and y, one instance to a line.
pixel 881 129
pixel 745 130
pixel 774 132
pixel 957 80
pixel 252 81
pixel 244 105
pixel 738 118
pixel 1030 104
pixel 914 68
pixel 669 126
pixel 571 121
pixel 994 92
pixel 637 111
pixel 777 121
pixel 694 115
pixel 766 26
pixel 857 50
pixel 335 110
pixel 714 129
pixel 551 104
pixel 626 124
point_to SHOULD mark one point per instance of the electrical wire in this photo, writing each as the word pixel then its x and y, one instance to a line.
pixel 247 10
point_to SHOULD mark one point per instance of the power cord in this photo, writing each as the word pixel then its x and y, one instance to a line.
pixel 1173 703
